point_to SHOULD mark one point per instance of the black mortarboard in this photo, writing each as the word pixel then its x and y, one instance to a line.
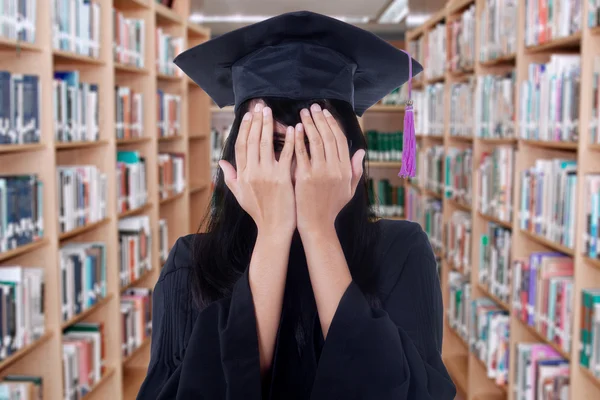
pixel 299 55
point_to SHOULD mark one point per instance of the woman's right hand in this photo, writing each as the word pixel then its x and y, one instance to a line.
pixel 262 185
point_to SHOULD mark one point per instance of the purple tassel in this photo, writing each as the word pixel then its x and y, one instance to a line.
pixel 409 147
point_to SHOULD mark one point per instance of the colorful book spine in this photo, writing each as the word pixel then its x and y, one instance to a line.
pixel 136 319
pixel 459 304
pixel 128 39
pixel 458 175
pixel 494 106
pixel 135 244
pixel 132 189
pixel 76 27
pixel 592 216
pixel 168 113
pixel 83 354
pixel 594 125
pixel 19 19
pixel 163 239
pixel 498 29
pixel 167 48
pixel 495 183
pixel 129 113
pixel 429 120
pixel 430 168
pixel 589 356
pixel 435 54
pixel 389 200
pixel 384 146
pixel 171 174
pixel 461 51
pixel 547 20
pixel 462 104
pixel 457 242
pixel 540 369
pixel 20 108
pixel 494 261
pixel 22 387
pixel 593 15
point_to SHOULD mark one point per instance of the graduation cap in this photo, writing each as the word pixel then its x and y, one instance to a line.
pixel 303 56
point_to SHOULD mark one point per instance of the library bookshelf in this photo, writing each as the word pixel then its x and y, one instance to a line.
pixel 123 375
pixel 468 373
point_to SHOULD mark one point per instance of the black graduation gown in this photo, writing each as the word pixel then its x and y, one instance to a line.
pixel 388 352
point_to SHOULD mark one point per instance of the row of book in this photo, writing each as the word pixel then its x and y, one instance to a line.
pixel 461 41
pixel 494 271
pixel 25 387
pixel 592 216
pixel 132 188
pixel 136 318
pixel 495 106
pixel 458 175
pixel 386 199
pixel 594 125
pixel 135 248
pixel 167 48
pixel 163 240
pixel 496 183
pixel 549 100
pixel 548 200
pixel 461 109
pixel 547 20
pixel 396 97
pixel 168 113
pixel 498 29
pixel 457 242
pixel 417 51
pixel 384 146
pixel 129 113
pixel 218 136
pixel 430 168
pixel 429 119
pixel 128 39
pixel 20 108
pixel 593 17
pixel 19 19
pixel 541 372
pixel 76 26
pixel 171 174
pixel 76 108
pixel 435 52
pixel 459 298
pixel 83 355
pixel 589 352
pixel 427 212
pixel 21 211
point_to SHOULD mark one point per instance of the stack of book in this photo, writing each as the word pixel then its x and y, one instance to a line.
pixel 462 104
pixel 81 196
pixel 589 353
pixel 435 54
pixel 548 199
pixel 591 235
pixel 547 20
pixel 128 40
pixel 429 120
pixel 496 184
pixel 19 108
pixel 489 337
pixel 495 106
pixel 384 146
pixel 167 48
pixel 83 358
pixel 76 26
pixel 457 242
pixel 136 316
pixel 388 200
pixel 461 44
pixel 542 296
pixel 19 18
pixel 430 168
pixel 540 369
pixel 459 302
pixel 27 387
pixel 132 189
pixel 494 261
pixel 82 277
pixel 169 114
pixel 129 113
pixel 595 117
pixel 171 174
pixel 498 29
pixel 135 244
pixel 21 211
pixel 458 175
pixel 549 104
pixel 593 17
pixel 76 108
pixel 163 240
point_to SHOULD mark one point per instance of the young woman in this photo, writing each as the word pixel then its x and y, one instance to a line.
pixel 295 291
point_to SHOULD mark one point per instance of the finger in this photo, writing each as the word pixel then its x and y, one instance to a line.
pixel 285 158
pixel 300 148
pixel 230 175
pixel 340 137
pixel 357 168
pixel 241 142
pixel 317 152
pixel 266 152
pixel 329 141
pixel 254 136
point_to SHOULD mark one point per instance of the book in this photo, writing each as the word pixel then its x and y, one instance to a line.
pixel 461 41
pixel 129 113
pixel 592 214
pixel 549 100
pixel 396 97
pixel 19 20
pixel 136 318
pixel 429 106
pixel 76 26
pixel 20 108
pixel 416 48
pixel 430 168
pixel 498 29
pixel 388 200
pixel 169 114
pixel 76 108
pixel 494 261
pixel 384 146
pixel 84 348
pixel 495 183
pixel 540 373
pixel 547 20
pixel 135 244
pixel 82 277
pixel 435 52
pixel 595 115
pixel 167 48
pixel 129 43
pixel 132 187
pixel 494 106
pixel 457 242
pixel 462 104
pixel 458 175
pixel 459 304
pixel 171 174
pixel 25 387
pixel 163 239
pixel 81 196
pixel 548 200
pixel 427 212
pixel 21 211
pixel 593 15
pixel 589 326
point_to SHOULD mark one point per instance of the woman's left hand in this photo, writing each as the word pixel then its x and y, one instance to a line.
pixel 326 181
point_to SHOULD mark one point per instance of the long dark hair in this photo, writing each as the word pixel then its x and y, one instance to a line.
pixel 223 252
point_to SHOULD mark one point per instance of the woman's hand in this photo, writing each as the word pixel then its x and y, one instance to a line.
pixel 327 180
pixel 262 185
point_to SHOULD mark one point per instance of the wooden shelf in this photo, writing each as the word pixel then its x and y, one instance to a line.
pixel 226 109
pixel 131 4
pixel 482 365
pixel 170 78
pixel 437 138
pixel 438 79
pixel 499 141
pixel 130 68
pixel 137 351
pixel 197 137
pixel 132 381
pixel 548 243
pixel 550 145
pixel 165 15
pixel 82 229
pixel 384 164
pixel 594 147
pixel 80 145
pixel 125 142
pixel 7 255
pixel 19 354
pixel 594 379
pixel 21 148
pixel 495 220
pixel 461 74
pixel 595 30
pixel 504 60
pixel 496 300
pixel 593 262
pixel 465 139
pixel 459 205
pixel 542 338
pixel 86 313
pixel 108 373
pixel 198 187
pixel 68 57
pixel 455 6
pixel 135 211
pixel 568 42
pixel 172 198
pixel 170 138
pixel 136 282
pixel 18 45
pixel 458 369
pixel 195 30
pixel 387 108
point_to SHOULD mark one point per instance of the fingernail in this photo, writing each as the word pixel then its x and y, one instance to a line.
pixel 258 107
pixel 247 116
pixel 315 107
pixel 327 113
pixel 266 111
pixel 305 112
pixel 299 127
pixel 289 130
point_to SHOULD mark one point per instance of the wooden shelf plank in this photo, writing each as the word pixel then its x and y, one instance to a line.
pixel 458 369
pixel 107 375
pixel 119 67
pixel 216 109
pixel 132 381
pixel 454 6
pixel 165 15
pixel 430 137
pixel 504 60
pixel 595 30
pixel 496 300
pixel 195 188
pixel 69 57
pixel 437 79
pixel 137 351
pixel 125 142
pixel 21 148
pixel 24 351
pixel 460 205
pixel 197 31
pixel 86 313
pixel 197 137
pixel 131 4
pixel 568 42
pixel 550 145
pixel 594 147
pixel 387 108
pixel 384 164
pixel 495 220
pixel 498 141
pixel 80 145
pixel 591 261
pixel 465 139
pixel 7 255
pixel 16 45
pixel 170 138
pixel 171 78
pixel 82 229
pixel 137 281
pixel 594 379
pixel 171 198
pixel 542 338
pixel 135 211
pixel 461 74
pixel 548 243
pixel 482 365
